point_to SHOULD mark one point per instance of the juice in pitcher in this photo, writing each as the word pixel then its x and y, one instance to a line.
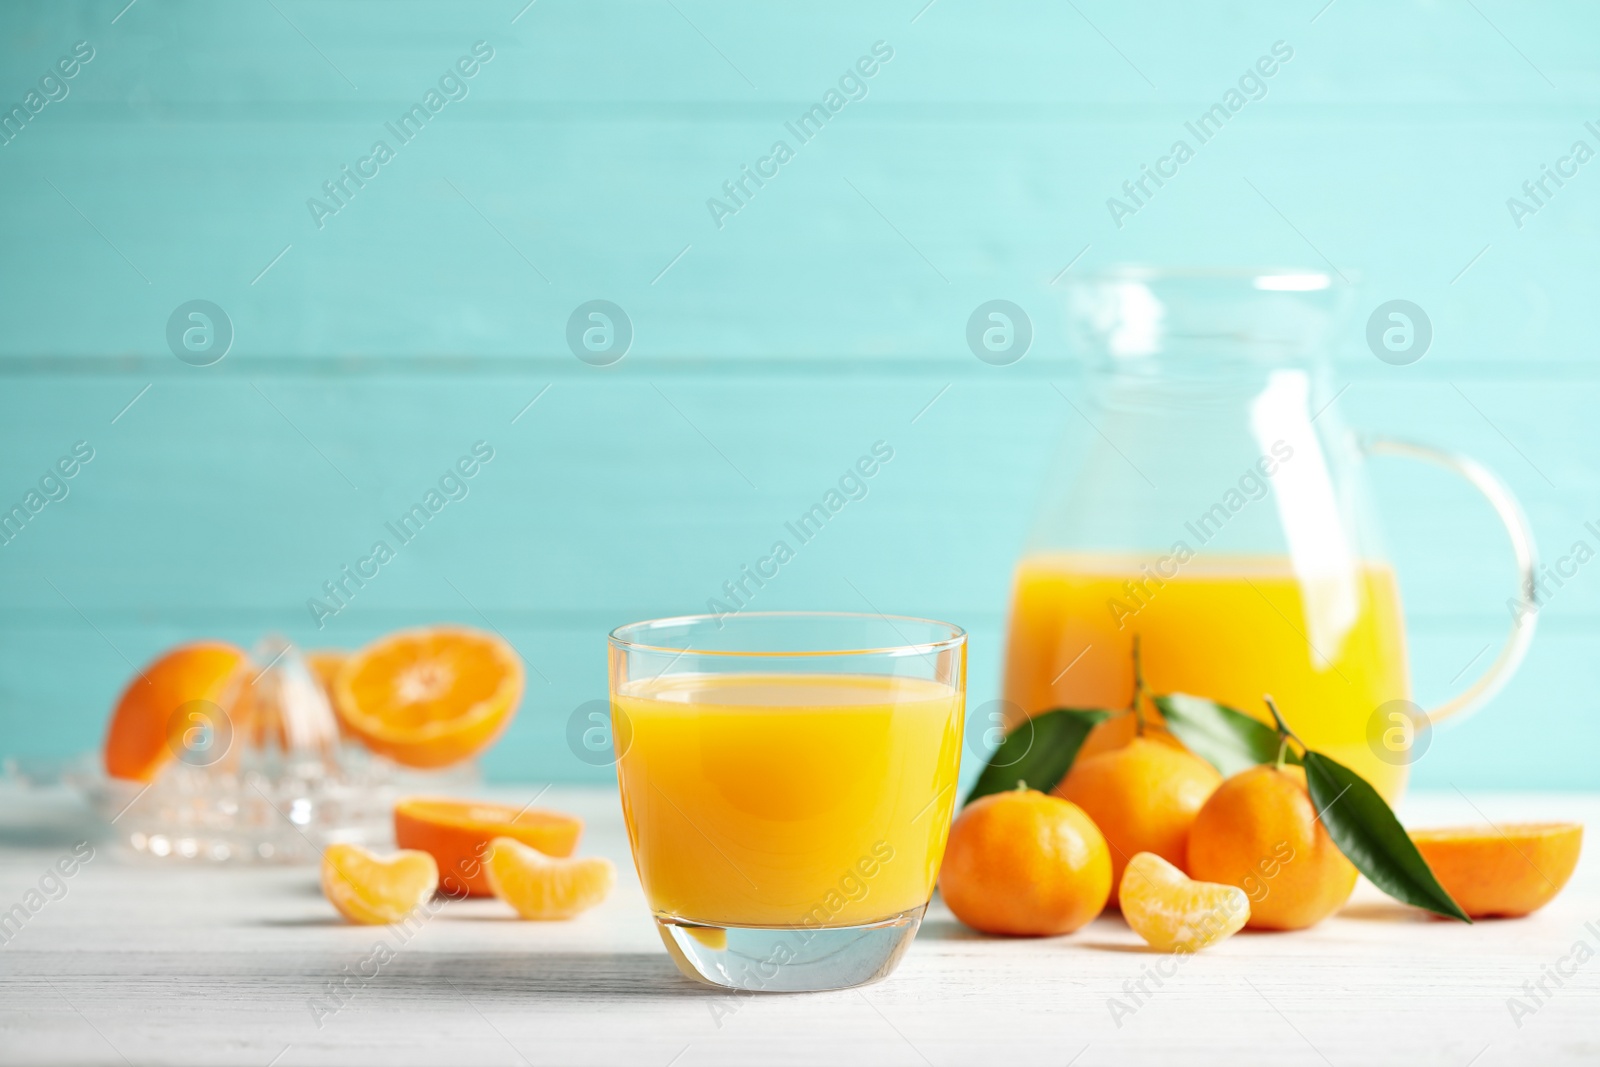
pixel 1208 499
pixel 1329 649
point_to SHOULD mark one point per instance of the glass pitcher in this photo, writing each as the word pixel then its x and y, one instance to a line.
pixel 1215 507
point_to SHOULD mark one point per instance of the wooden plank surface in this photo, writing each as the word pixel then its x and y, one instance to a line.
pixel 143 963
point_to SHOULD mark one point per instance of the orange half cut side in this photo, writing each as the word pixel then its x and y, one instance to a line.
pixel 429 697
pixel 456 833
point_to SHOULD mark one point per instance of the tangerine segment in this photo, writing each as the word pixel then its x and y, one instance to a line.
pixel 429 697
pixel 370 890
pixel 1506 871
pixel 138 740
pixel 543 887
pixel 1175 913
pixel 457 833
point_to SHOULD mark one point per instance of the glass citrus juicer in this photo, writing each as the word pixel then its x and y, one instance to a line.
pixel 1213 504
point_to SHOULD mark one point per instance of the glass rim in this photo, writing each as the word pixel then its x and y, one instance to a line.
pixel 957 635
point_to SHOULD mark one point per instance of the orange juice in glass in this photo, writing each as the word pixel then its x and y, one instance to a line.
pixel 787 780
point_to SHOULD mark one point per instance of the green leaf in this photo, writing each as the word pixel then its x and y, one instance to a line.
pixel 1229 740
pixel 1037 751
pixel 1367 832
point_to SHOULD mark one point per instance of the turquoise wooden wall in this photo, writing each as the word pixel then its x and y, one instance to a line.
pixel 370 351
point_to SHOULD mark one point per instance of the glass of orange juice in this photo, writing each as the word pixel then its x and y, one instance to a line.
pixel 788 779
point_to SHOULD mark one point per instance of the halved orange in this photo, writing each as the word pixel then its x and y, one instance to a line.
pixel 371 890
pixel 139 739
pixel 429 697
pixel 1508 871
pixel 457 833
pixel 543 887
pixel 324 665
pixel 1173 912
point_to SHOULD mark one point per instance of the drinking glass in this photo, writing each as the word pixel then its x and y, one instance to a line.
pixel 788 780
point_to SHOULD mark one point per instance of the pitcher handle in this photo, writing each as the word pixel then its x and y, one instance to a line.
pixel 1526 616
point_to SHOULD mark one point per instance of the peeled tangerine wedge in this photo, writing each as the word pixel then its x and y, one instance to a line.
pixel 370 890
pixel 543 887
pixel 1508 870
pixel 1173 912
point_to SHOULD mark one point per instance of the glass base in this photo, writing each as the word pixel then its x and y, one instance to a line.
pixel 786 959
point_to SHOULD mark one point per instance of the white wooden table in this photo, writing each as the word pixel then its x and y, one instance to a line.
pixel 143 963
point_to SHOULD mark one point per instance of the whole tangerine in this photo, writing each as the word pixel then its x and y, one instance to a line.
pixel 1260 832
pixel 1025 864
pixel 1143 796
pixel 1117 731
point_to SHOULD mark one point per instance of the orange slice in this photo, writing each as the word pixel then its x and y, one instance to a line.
pixel 541 887
pixel 1502 870
pixel 457 833
pixel 429 697
pixel 1173 912
pixel 369 890
pixel 139 741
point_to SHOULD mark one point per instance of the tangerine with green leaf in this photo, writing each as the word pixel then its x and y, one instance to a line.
pixel 1260 832
pixel 1121 729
